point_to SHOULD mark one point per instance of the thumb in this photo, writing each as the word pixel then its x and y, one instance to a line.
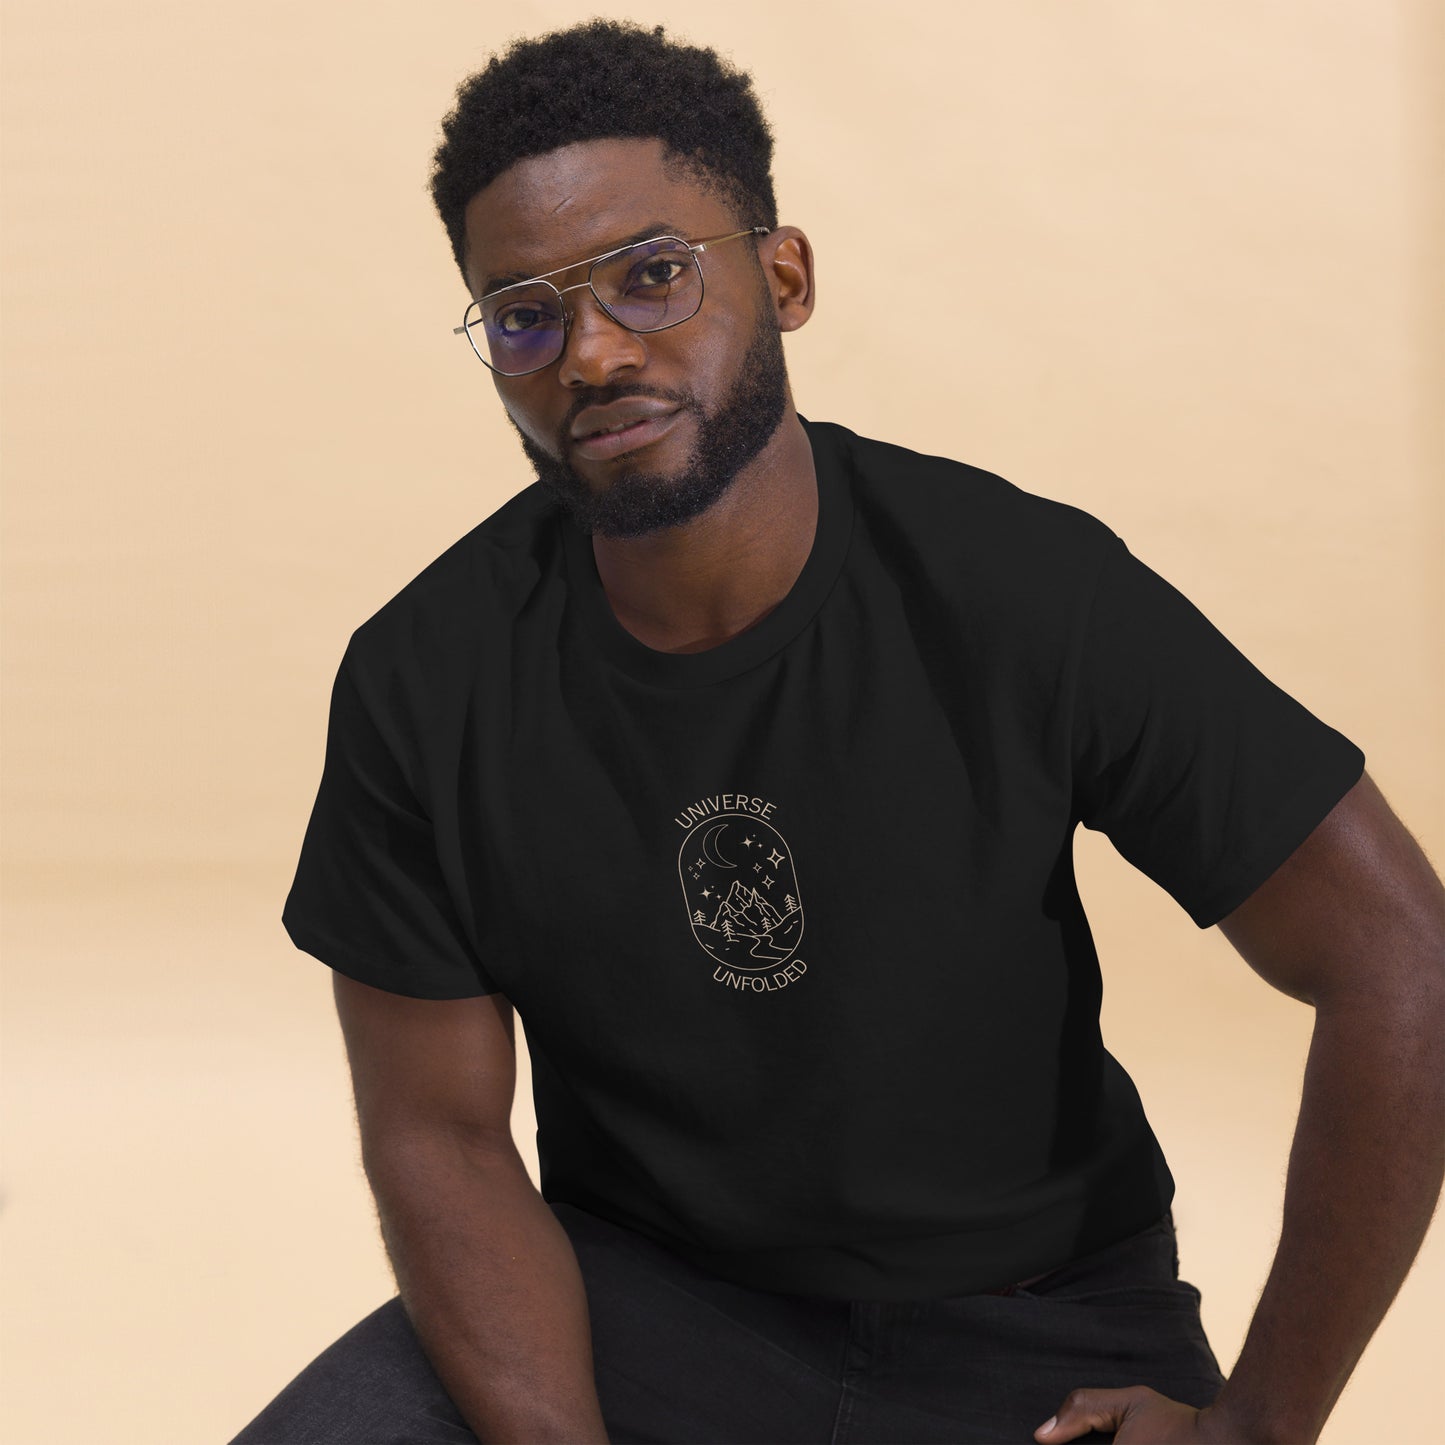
pixel 1085 1410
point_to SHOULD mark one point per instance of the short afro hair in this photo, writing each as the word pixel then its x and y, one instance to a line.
pixel 598 80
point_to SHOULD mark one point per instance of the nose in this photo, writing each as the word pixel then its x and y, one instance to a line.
pixel 597 347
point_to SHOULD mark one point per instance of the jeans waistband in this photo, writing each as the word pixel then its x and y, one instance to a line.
pixel 1115 1255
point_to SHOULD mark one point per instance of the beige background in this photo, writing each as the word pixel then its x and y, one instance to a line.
pixel 1190 282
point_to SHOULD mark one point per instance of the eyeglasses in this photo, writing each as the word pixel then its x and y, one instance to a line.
pixel 647 286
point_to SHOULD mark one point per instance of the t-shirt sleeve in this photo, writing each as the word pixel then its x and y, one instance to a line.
pixel 369 898
pixel 1203 773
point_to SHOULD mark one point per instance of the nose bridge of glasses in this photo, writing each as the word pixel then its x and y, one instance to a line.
pixel 578 328
pixel 580 286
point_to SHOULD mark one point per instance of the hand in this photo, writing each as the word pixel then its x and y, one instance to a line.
pixel 1139 1416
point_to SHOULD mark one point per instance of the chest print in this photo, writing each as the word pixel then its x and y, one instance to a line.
pixel 740 890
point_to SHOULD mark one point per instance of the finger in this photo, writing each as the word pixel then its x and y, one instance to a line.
pixel 1085 1410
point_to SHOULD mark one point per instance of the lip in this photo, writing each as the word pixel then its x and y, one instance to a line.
pixel 630 409
pixel 639 434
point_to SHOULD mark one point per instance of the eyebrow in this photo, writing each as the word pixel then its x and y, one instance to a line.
pixel 657 228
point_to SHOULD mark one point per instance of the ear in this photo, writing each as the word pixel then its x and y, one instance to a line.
pixel 787 259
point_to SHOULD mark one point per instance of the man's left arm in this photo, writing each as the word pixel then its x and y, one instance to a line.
pixel 1353 923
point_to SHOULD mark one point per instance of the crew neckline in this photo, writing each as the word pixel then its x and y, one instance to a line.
pixel 832 466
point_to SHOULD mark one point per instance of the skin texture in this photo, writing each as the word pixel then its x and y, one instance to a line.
pixel 700 535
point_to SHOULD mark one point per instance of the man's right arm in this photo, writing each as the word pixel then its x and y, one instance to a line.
pixel 487 1275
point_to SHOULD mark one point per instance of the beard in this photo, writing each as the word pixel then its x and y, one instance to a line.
pixel 635 501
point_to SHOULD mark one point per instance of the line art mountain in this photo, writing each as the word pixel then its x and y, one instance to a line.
pixel 748 912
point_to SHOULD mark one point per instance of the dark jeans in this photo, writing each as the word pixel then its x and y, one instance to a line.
pixel 683 1356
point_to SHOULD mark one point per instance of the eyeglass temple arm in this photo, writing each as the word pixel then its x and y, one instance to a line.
pixel 718 240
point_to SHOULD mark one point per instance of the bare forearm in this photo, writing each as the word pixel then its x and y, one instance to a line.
pixel 1365 1172
pixel 490 1282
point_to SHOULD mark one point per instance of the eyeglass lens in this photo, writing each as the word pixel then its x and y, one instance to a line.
pixel 647 287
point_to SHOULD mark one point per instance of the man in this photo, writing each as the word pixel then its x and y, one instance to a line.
pixel 742 754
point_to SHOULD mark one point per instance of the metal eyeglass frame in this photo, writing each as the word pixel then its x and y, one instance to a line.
pixel 592 262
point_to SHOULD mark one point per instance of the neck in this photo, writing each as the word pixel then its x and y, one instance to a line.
pixel 693 587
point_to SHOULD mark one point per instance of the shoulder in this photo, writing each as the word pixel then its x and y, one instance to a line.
pixel 447 617
pixel 971 522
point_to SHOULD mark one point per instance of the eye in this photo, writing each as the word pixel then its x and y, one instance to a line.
pixel 525 316
pixel 659 271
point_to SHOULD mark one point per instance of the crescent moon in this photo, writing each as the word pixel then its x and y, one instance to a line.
pixel 710 853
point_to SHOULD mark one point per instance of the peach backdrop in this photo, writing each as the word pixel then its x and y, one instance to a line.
pixel 1193 286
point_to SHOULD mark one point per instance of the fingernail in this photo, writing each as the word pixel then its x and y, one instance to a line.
pixel 1047 1425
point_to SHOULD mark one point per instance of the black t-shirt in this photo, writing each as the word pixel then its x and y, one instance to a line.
pixel 792 923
